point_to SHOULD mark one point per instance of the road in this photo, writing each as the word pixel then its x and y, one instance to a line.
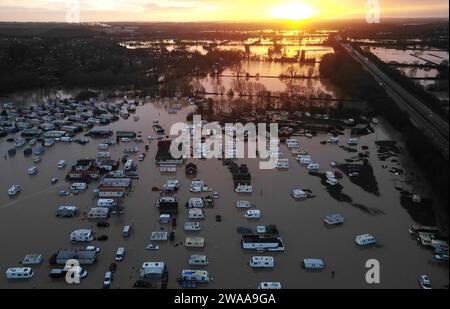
pixel 421 116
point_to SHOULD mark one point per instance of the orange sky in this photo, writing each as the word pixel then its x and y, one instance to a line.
pixel 208 10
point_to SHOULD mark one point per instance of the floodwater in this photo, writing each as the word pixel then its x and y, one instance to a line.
pixel 265 74
pixel 28 223
pixel 410 56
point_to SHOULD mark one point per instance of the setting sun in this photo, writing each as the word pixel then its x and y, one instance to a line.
pixel 294 11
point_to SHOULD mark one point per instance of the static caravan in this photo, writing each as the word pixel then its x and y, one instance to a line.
pixel 365 240
pixel 262 262
pixel 116 182
pixel 262 242
pixel 192 226
pixel 66 211
pixel 81 235
pixel 98 213
pixel 334 219
pixel 104 154
pixel 82 256
pixel 19 273
pixel 243 189
pixel 253 214
pixel 292 143
pixel 313 167
pixel 80 186
pixel 111 192
pixel 195 242
pixel 313 264
pixel 150 270
pixel 269 285
pixel 298 194
pixel 196 213
pixel 195 202
pixel 195 275
pixel 106 203
pixel 333 140
pixel 200 260
pixel 282 163
pixel 353 141
pixel 159 236
pixel 243 204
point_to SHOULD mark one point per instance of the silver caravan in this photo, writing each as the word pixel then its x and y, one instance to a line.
pixel 19 273
pixel 98 213
pixel 198 260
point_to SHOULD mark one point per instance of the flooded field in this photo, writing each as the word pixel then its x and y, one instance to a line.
pixel 390 55
pixel 28 223
pixel 266 75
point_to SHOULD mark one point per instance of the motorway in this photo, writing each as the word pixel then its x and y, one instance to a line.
pixel 421 116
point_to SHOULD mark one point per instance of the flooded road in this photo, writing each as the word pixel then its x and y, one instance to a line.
pixel 28 223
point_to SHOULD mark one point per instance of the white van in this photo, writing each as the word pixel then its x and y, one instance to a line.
pixel 262 262
pixel 129 165
pixel 106 203
pixel 120 254
pixel 19 273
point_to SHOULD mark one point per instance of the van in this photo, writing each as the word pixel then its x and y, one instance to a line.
pixel 120 254
pixel 19 273
pixel 126 232
pixel 106 203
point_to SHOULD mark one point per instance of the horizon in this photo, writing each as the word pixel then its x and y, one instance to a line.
pixel 194 11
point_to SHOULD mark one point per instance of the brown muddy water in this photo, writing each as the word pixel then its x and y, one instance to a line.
pixel 28 223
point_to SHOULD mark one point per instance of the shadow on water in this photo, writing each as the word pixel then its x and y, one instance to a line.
pixel 336 193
